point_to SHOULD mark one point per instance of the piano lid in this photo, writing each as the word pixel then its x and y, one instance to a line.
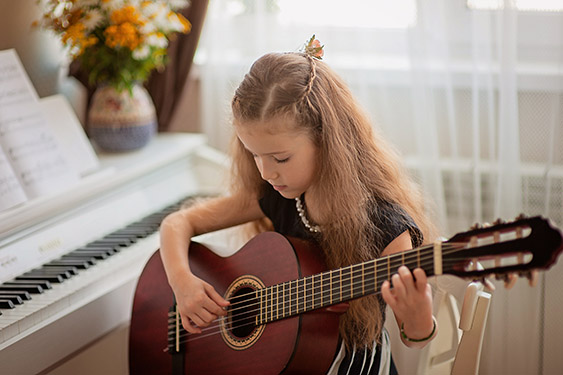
pixel 116 170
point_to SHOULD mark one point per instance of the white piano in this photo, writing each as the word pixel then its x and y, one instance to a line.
pixel 37 334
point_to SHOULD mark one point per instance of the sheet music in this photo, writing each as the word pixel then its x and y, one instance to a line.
pixel 11 192
pixel 69 132
pixel 28 144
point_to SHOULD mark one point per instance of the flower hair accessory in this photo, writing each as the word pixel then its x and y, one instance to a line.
pixel 314 48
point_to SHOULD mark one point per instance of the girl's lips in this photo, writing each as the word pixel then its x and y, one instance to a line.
pixel 279 187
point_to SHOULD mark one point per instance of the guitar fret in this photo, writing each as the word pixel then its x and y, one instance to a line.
pixel 290 298
pixel 271 304
pixel 305 294
pixel 277 299
pixel 330 286
pixel 363 280
pixel 322 287
pixel 283 300
pixel 341 284
pixel 259 317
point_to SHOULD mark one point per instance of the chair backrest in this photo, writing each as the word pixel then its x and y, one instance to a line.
pixel 461 311
pixel 460 308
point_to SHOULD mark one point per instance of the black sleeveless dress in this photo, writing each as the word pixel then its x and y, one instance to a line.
pixel 388 217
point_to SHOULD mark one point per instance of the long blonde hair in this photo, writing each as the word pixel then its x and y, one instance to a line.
pixel 355 164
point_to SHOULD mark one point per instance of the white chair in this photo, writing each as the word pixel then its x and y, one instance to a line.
pixel 457 348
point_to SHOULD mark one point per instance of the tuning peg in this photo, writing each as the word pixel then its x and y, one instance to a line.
pixel 532 277
pixel 510 280
pixel 498 221
pixel 521 216
pixel 475 226
pixel 486 283
pixel 501 277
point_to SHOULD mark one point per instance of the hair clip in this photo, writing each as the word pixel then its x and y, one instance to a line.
pixel 314 49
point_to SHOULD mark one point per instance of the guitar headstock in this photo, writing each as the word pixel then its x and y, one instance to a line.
pixel 518 246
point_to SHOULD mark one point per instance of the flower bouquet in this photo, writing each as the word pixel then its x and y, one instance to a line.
pixel 117 43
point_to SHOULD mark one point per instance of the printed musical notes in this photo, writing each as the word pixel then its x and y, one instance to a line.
pixel 30 150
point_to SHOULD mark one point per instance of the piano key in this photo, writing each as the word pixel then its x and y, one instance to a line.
pixel 117 242
pixel 55 278
pixel 127 239
pixel 30 288
pixel 130 238
pixel 42 283
pixel 25 296
pixel 110 250
pixel 65 271
pixel 93 254
pixel 91 260
pixel 6 304
pixel 74 263
pixel 138 231
pixel 16 300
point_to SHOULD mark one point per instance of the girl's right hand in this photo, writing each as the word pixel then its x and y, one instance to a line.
pixel 198 303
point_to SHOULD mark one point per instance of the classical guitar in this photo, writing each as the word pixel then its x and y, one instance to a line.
pixel 285 305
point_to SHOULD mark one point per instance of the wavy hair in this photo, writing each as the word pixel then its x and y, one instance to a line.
pixel 355 164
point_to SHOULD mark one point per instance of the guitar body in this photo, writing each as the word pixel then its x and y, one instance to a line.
pixel 303 344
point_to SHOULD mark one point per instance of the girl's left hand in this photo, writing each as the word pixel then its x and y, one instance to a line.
pixel 411 301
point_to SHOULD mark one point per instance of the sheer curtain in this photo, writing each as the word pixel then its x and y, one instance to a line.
pixel 471 98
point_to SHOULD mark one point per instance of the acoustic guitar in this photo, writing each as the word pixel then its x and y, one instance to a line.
pixel 285 305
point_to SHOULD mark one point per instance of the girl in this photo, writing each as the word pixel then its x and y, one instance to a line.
pixel 306 161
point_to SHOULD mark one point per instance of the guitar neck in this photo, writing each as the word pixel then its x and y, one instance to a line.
pixel 344 284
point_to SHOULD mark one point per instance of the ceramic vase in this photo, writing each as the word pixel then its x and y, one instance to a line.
pixel 121 121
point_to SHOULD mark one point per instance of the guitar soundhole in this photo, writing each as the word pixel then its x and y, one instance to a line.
pixel 243 316
pixel 239 329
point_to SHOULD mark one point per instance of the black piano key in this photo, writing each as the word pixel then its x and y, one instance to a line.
pixel 6 304
pixel 65 272
pixel 74 263
pixel 25 296
pixel 139 231
pixel 34 289
pixel 109 250
pixel 55 278
pixel 126 239
pixel 114 248
pixel 79 258
pixel 113 242
pixel 133 237
pixel 16 300
pixel 94 254
pixel 42 283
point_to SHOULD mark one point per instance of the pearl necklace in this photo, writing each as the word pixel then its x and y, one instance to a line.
pixel 303 216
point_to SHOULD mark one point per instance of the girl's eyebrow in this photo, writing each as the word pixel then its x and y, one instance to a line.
pixel 268 153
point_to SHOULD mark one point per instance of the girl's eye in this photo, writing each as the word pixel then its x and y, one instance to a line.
pixel 282 160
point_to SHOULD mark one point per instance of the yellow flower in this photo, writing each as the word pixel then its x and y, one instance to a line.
pixel 117 41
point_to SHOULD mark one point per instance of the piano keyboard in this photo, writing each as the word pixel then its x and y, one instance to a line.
pixel 38 294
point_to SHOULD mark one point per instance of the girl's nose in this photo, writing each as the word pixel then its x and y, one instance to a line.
pixel 267 170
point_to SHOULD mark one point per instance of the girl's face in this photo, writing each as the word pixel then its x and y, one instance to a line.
pixel 287 159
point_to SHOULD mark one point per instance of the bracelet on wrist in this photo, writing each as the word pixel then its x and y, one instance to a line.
pixel 404 335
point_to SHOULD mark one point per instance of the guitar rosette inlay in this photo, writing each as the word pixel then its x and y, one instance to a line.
pixel 239 329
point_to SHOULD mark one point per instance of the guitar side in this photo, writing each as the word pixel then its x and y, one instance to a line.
pixel 285 346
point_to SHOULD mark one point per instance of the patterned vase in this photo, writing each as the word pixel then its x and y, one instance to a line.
pixel 120 121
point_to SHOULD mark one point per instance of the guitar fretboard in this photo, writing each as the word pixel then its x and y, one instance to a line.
pixel 332 287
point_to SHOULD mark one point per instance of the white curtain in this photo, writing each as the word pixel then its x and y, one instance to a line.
pixel 470 97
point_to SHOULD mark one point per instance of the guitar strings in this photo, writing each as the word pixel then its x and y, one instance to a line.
pixel 381 263
pixel 189 337
pixel 305 289
pixel 314 296
pixel 275 307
